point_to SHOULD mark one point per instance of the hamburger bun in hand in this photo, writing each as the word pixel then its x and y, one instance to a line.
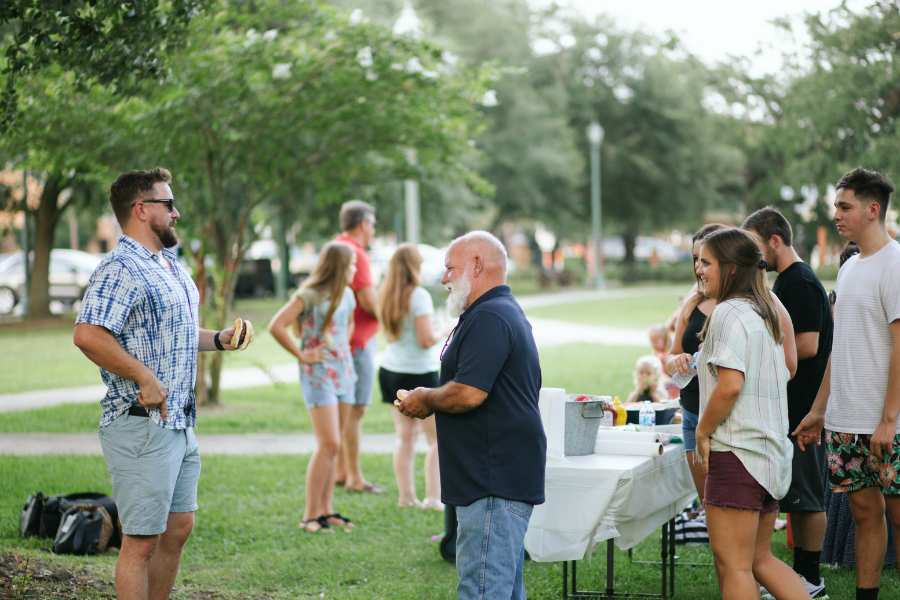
pixel 243 334
pixel 401 394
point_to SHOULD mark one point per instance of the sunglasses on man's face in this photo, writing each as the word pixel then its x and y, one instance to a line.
pixel 169 202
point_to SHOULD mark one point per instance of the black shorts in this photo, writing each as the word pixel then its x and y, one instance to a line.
pixel 807 491
pixel 391 382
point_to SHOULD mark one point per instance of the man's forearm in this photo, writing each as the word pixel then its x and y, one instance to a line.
pixel 807 344
pixel 367 299
pixel 105 351
pixel 453 397
pixel 892 399
pixel 821 401
pixel 207 340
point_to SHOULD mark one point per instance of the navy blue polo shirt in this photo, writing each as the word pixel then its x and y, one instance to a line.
pixel 499 448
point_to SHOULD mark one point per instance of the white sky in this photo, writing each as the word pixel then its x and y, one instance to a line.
pixel 712 29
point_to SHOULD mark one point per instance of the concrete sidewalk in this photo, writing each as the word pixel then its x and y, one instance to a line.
pixel 37 444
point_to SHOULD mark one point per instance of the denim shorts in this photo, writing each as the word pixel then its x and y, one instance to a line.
pixel 730 484
pixel 316 397
pixel 689 422
pixel 154 472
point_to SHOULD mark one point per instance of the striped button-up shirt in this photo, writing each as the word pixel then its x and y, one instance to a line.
pixel 756 429
pixel 153 313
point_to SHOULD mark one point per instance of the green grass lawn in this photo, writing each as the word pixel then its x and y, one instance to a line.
pixel 35 359
pixel 579 368
pixel 246 543
pixel 639 312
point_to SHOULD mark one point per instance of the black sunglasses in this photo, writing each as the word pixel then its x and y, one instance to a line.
pixel 169 202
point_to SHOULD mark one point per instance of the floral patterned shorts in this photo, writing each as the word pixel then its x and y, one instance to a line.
pixel 852 468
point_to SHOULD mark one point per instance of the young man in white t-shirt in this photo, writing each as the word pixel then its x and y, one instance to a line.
pixel 859 400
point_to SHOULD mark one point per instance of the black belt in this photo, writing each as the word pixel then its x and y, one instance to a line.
pixel 138 410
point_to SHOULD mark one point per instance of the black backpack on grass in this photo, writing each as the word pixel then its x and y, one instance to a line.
pixel 45 516
pixel 84 529
pixel 55 506
pixel 30 520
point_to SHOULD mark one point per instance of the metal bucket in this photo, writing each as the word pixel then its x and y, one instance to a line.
pixel 582 423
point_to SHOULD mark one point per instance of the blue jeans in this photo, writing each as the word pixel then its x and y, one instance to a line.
pixel 490 549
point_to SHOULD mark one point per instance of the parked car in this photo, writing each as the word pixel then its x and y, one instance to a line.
pixel 614 249
pixel 70 271
pixel 300 263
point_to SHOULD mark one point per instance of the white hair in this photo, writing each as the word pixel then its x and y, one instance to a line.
pixel 488 242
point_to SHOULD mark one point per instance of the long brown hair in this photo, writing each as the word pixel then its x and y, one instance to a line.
pixel 700 236
pixel 331 277
pixel 401 278
pixel 742 274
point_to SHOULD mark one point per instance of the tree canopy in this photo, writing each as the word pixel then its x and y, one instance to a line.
pixel 273 99
pixel 112 42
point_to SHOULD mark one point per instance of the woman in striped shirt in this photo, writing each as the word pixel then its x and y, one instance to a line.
pixel 742 434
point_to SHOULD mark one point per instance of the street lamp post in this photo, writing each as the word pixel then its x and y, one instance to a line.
pixel 410 26
pixel 411 198
pixel 595 137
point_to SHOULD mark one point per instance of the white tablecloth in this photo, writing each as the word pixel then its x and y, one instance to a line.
pixel 593 498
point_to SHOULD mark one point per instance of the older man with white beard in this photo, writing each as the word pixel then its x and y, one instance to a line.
pixel 491 441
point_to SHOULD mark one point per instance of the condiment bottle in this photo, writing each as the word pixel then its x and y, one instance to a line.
pixel 607 407
pixel 621 412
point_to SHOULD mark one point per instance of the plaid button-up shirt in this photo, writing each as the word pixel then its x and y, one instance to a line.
pixel 153 313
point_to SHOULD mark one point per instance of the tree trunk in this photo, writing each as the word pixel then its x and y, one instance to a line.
pixel 200 387
pixel 46 217
pixel 215 317
pixel 630 240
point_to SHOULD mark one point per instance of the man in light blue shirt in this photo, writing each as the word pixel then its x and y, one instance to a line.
pixel 139 322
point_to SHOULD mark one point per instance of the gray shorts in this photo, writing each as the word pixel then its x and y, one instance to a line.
pixel 364 363
pixel 807 491
pixel 154 472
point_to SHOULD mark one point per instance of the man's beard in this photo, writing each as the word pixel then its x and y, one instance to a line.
pixel 771 260
pixel 458 300
pixel 165 234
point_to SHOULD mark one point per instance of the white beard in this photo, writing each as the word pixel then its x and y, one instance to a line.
pixel 458 301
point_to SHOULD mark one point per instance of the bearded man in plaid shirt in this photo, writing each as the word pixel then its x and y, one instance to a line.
pixel 139 323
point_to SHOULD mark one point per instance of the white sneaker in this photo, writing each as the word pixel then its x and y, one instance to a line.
pixel 816 591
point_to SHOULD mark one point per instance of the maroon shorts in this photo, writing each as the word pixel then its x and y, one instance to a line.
pixel 729 483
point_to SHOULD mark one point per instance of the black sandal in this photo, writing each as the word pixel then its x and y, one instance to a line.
pixel 323 526
pixel 347 523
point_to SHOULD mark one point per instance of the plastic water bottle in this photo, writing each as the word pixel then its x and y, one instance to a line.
pixel 647 417
pixel 682 380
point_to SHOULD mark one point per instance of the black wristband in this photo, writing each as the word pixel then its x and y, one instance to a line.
pixel 219 345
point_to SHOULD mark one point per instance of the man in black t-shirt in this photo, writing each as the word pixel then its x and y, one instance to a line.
pixel 491 440
pixel 805 299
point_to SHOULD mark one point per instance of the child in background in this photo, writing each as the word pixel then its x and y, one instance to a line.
pixel 661 342
pixel 648 383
